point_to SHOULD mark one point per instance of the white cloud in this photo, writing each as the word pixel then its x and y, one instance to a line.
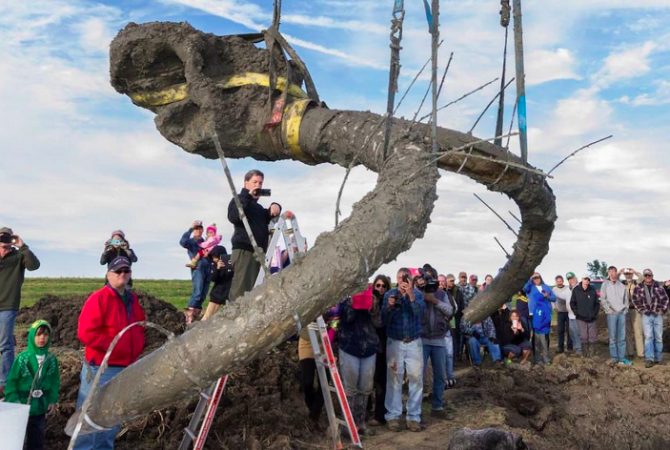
pixel 582 113
pixel 626 64
pixel 96 35
pixel 547 65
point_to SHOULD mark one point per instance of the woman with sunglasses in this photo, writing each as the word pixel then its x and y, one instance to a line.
pixel 380 287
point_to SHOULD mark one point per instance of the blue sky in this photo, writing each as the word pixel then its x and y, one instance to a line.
pixel 80 160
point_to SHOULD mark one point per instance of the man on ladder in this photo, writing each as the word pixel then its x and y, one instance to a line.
pixel 245 264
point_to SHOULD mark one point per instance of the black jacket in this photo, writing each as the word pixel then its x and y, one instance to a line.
pixel 259 219
pixel 111 253
pixel 500 319
pixel 508 337
pixel 457 297
pixel 222 278
pixel 585 303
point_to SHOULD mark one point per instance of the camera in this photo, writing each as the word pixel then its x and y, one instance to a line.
pixel 115 242
pixel 431 284
pixel 7 239
pixel 263 192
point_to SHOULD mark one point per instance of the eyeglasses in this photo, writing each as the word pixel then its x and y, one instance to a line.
pixel 380 285
pixel 121 271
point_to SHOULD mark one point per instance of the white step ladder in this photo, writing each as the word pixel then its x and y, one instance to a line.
pixel 210 398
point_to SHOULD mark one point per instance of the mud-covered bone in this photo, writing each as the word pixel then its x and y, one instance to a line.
pixel 487 439
pixel 383 224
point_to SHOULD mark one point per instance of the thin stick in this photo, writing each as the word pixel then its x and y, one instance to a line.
pixel 517 219
pixel 579 150
pixel 444 75
pixel 461 98
pixel 435 32
pixel 421 104
pixel 489 105
pixel 258 253
pixel 503 248
pixel 497 215
pixel 511 164
pixel 511 124
pixel 414 81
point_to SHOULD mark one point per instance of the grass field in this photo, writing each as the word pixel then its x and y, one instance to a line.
pixel 176 292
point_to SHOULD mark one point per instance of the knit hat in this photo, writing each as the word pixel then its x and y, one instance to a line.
pixel 120 233
pixel 212 228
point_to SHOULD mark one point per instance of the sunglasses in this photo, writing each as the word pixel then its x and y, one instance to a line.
pixel 648 275
pixel 380 285
pixel 121 271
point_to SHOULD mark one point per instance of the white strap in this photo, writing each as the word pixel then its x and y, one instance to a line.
pixel 95 425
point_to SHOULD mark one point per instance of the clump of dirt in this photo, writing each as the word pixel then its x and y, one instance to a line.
pixel 63 315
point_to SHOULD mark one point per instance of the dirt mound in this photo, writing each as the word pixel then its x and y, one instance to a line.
pixel 63 315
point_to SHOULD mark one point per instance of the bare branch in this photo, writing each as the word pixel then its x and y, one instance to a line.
pixel 497 215
pixel 489 105
pixel 460 98
pixel 512 214
pixel 579 150
pixel 503 248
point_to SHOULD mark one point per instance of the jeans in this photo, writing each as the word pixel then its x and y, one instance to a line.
pixel 438 357
pixel 563 329
pixel 201 279
pixel 541 346
pixel 474 345
pixel 574 333
pixel 400 357
pixel 616 324
pixel 516 350
pixel 380 386
pixel 7 342
pixel 653 337
pixel 358 378
pixel 450 357
pixel 457 338
pixel 36 432
pixel 102 440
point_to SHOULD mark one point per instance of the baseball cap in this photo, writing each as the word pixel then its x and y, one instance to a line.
pixel 586 276
pixel 6 230
pixel 570 275
pixel 119 262
pixel 474 277
pixel 450 276
pixel 628 271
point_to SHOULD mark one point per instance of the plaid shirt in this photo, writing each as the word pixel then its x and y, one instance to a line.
pixel 403 321
pixel 659 299
pixel 469 293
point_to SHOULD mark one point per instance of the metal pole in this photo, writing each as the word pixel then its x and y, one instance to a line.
pixel 435 31
pixel 520 80
pixel 394 71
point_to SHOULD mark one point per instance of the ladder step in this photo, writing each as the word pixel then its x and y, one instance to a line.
pixel 206 396
pixel 190 433
pixel 332 389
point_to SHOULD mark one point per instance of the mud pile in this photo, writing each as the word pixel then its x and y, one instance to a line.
pixel 63 315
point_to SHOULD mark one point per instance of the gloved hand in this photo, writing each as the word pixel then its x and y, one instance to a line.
pixel 125 245
pixel 476 334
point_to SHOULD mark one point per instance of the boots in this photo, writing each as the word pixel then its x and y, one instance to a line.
pixel 194 263
pixel 586 352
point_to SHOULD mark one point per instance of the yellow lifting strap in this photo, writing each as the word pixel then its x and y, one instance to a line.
pixel 179 92
pixel 290 126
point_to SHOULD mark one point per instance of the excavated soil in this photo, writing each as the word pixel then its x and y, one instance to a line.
pixel 573 404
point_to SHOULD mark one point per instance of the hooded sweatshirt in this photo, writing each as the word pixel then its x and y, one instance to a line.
pixel 24 369
pixel 614 297
pixel 562 298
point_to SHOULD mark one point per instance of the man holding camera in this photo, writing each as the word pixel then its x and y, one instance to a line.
pixel 402 311
pixel 15 258
pixel 244 262
pixel 435 331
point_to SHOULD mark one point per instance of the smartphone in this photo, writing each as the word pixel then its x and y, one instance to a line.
pixel 405 278
pixel 115 242
pixel 515 323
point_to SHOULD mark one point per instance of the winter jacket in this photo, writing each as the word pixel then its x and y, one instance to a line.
pixel 12 271
pixel 522 306
pixel 192 247
pixel 484 328
pixel 377 320
pixel 457 296
pixel 103 316
pixel 111 252
pixel 468 293
pixel 258 217
pixel 222 279
pixel 584 303
pixel 614 297
pixel 542 316
pixel 435 321
pixel 534 295
pixel 509 337
pixel 500 319
pixel 357 335
pixel 659 299
pixel 25 366
pixel 564 296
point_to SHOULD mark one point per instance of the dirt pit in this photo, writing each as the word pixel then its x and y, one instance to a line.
pixel 573 404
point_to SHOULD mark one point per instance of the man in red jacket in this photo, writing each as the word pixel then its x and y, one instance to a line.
pixel 105 313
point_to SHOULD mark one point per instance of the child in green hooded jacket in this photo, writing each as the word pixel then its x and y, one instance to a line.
pixel 36 360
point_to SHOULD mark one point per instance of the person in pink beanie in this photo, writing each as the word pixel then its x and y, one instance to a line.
pixel 208 244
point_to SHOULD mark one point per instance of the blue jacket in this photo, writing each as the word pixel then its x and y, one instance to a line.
pixel 542 317
pixel 403 321
pixel 535 296
pixel 192 247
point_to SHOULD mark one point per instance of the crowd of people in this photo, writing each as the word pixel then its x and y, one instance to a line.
pixel 408 330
